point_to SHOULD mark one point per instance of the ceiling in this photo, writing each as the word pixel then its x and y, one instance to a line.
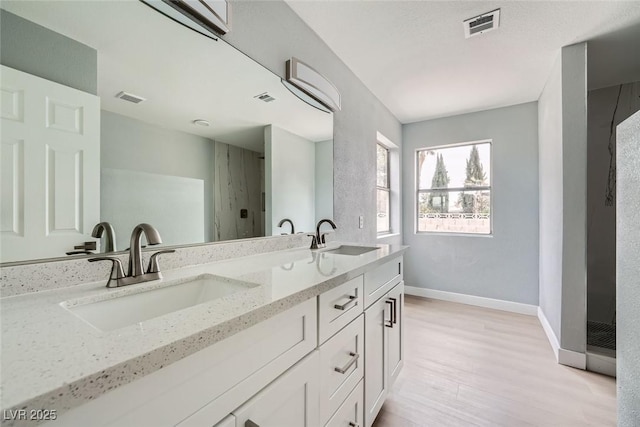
pixel 413 55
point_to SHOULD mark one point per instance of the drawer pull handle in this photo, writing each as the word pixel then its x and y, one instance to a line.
pixel 388 323
pixel 352 424
pixel 354 357
pixel 352 301
pixel 250 423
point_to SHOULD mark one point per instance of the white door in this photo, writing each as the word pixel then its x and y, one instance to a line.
pixel 375 366
pixel 50 167
pixel 290 401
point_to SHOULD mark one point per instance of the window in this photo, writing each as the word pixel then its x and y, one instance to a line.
pixel 454 188
pixel 383 189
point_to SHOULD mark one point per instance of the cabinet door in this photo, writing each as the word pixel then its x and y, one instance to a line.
pixel 291 400
pixel 396 333
pixel 375 367
pixel 341 367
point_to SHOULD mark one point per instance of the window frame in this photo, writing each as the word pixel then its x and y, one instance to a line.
pixel 418 191
pixel 387 188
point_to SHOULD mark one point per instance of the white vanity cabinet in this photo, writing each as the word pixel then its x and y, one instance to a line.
pixel 326 362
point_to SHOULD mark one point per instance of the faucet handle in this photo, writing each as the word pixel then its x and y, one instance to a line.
pixel 154 266
pixel 117 271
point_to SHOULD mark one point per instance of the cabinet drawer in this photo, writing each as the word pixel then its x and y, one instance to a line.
pixel 351 412
pixel 291 400
pixel 339 306
pixel 248 367
pixel 381 280
pixel 341 367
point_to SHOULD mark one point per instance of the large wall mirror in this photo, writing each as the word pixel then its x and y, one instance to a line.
pixel 219 148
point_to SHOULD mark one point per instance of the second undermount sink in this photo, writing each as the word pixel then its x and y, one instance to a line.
pixel 351 250
pixel 131 308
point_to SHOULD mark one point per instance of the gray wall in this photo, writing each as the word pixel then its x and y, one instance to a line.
pixel 131 144
pixel 607 108
pixel 563 198
pixel 263 30
pixel 628 266
pixel 290 184
pixel 502 266
pixel 52 56
pixel 324 179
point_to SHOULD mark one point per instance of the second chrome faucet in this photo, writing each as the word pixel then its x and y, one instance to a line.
pixel 135 272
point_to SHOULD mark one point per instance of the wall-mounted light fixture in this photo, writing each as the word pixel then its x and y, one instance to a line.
pixel 208 17
pixel 313 84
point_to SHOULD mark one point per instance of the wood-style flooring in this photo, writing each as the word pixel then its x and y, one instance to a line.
pixel 472 366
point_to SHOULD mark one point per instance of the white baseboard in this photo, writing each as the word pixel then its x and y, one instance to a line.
pixel 601 364
pixel 572 358
pixel 513 307
pixel 563 356
pixel 551 336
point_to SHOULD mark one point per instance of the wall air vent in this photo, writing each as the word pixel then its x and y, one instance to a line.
pixel 481 24
pixel 265 97
pixel 130 97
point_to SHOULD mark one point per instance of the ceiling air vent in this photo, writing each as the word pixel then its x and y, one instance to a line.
pixel 482 23
pixel 130 97
pixel 265 97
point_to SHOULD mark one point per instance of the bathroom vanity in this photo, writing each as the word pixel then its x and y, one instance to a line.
pixel 295 338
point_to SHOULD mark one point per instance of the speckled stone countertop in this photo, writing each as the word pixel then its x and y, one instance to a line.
pixel 52 359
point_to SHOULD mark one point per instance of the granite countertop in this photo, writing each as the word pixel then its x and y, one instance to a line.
pixel 52 359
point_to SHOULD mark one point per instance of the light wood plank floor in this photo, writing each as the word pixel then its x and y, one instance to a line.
pixel 472 366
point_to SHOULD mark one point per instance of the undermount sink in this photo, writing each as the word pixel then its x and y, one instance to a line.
pixel 351 250
pixel 128 309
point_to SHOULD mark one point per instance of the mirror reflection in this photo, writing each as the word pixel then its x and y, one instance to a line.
pixel 186 133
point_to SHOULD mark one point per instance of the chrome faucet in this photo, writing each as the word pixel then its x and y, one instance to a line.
pixel 318 239
pixel 281 223
pixel 109 237
pixel 135 272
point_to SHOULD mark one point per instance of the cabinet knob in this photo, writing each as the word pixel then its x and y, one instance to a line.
pixel 250 423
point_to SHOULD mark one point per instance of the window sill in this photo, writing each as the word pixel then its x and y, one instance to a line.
pixel 435 233
pixel 387 235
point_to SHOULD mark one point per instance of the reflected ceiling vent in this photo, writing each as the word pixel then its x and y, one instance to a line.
pixel 265 97
pixel 130 97
pixel 481 24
